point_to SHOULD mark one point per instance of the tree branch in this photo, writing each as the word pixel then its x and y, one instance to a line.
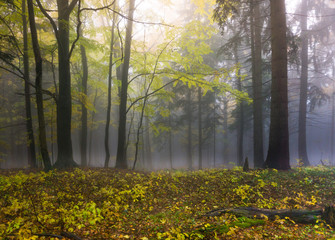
pixel 45 13
pixel 153 92
pixel 12 72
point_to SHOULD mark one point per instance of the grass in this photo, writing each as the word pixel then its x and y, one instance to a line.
pixel 114 204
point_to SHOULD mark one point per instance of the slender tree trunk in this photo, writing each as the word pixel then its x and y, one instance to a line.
pixel 29 123
pixel 302 146
pixel 225 129
pixel 121 159
pixel 240 117
pixel 38 84
pixel 256 40
pixel 214 131
pixel 170 138
pixel 64 106
pixel 332 123
pixel 91 129
pixel 200 127
pixel 83 144
pixel 189 130
pixel 278 153
pixel 147 144
pixel 109 100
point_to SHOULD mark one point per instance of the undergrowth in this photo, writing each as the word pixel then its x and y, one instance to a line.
pixel 112 204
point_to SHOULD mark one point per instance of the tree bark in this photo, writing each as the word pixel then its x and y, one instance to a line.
pixel 256 41
pixel 83 143
pixel 302 146
pixel 278 152
pixel 121 159
pixel 29 123
pixel 64 106
pixel 38 84
pixel 109 98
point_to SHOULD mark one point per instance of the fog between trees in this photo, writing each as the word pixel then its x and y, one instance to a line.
pixel 185 84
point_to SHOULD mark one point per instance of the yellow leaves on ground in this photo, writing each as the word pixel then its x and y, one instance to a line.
pixel 111 204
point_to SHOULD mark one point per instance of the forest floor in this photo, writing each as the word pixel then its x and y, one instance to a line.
pixel 115 204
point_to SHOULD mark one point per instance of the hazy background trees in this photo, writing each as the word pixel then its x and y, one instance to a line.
pixel 173 84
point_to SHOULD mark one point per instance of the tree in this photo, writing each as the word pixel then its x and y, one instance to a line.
pixel 83 139
pixel 278 152
pixel 29 123
pixel 121 157
pixel 109 100
pixel 256 45
pixel 64 101
pixel 302 146
pixel 38 86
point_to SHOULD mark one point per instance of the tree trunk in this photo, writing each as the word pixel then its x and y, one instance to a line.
pixel 109 100
pixel 278 153
pixel 189 130
pixel 29 123
pixel 240 117
pixel 170 138
pixel 225 129
pixel 121 159
pixel 64 106
pixel 147 144
pixel 200 128
pixel 38 84
pixel 256 41
pixel 83 143
pixel 302 146
pixel 332 123
pixel 91 129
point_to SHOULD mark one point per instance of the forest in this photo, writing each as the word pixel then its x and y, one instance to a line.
pixel 166 119
pixel 194 85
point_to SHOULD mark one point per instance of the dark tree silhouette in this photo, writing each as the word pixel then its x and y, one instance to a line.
pixel 278 153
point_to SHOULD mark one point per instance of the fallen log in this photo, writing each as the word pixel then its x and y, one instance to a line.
pixel 299 216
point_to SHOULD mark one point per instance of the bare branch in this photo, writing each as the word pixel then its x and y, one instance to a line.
pixel 46 14
pixel 12 72
pixel 78 29
pixel 152 93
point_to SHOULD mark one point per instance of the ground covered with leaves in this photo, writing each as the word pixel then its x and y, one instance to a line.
pixel 111 204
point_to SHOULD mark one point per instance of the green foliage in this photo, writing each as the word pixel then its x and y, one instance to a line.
pixel 114 204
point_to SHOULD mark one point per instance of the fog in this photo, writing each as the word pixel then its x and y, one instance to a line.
pixel 169 136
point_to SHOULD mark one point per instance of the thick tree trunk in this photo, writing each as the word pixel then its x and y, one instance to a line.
pixel 256 40
pixel 278 153
pixel 38 84
pixel 83 140
pixel 29 123
pixel 121 159
pixel 64 106
pixel 302 146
